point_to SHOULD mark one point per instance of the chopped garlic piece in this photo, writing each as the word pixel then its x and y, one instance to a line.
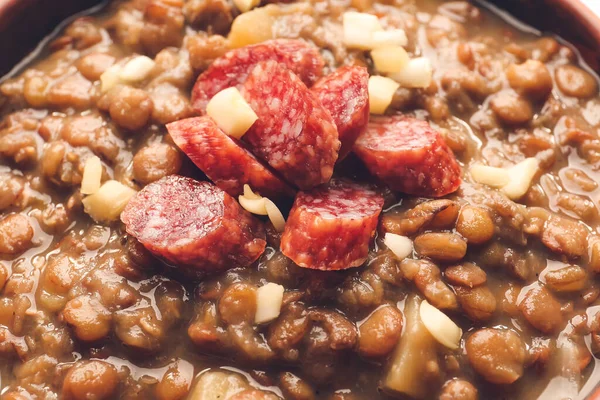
pixel 110 78
pixel 401 246
pixel 390 59
pixel 254 26
pixel 249 193
pixel 441 327
pixel 514 181
pixel 231 112
pixel 254 206
pixel 246 5
pixel 359 29
pixel 381 92
pixel 92 176
pixel 521 176
pixel 391 37
pixel 137 69
pixel 417 73
pixel 108 202
pixel 275 215
pixel 491 176
pixel 268 302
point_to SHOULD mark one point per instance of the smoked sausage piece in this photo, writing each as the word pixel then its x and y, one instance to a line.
pixel 409 156
pixel 345 94
pixel 232 68
pixel 331 227
pixel 193 224
pixel 294 133
pixel 224 160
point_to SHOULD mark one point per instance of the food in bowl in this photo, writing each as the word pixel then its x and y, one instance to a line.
pixel 328 200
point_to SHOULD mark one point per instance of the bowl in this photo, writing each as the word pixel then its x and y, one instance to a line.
pixel 571 19
pixel 30 21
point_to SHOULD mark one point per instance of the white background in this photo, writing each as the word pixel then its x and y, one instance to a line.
pixel 594 5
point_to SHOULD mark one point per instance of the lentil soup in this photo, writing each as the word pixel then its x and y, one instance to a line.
pixel 453 255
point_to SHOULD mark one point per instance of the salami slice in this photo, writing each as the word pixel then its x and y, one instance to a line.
pixel 232 68
pixel 294 133
pixel 193 224
pixel 330 228
pixel 224 160
pixel 409 156
pixel 345 94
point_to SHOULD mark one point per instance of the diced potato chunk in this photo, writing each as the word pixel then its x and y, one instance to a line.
pixel 417 73
pixel 246 5
pixel 231 112
pixel 268 302
pixel 218 385
pixel 92 176
pixel 381 92
pixel 442 328
pixel 359 29
pixel 390 59
pixel 137 69
pixel 388 38
pixel 401 246
pixel 416 351
pixel 108 202
pixel 251 27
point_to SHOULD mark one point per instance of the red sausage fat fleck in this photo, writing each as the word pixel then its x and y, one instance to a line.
pixel 232 68
pixel 294 133
pixel 409 156
pixel 224 160
pixel 331 227
pixel 196 224
pixel 345 94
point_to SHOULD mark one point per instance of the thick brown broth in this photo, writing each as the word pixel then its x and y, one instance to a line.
pixel 77 297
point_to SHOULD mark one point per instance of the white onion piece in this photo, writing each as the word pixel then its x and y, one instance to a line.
pixel 441 327
pixel 521 176
pixel 275 215
pixel 491 176
pixel 231 112
pixel 359 29
pixel 390 37
pixel 137 69
pixel 390 59
pixel 401 246
pixel 110 78
pixel 249 193
pixel 108 202
pixel 417 73
pixel 381 92
pixel 268 302
pixel 254 206
pixel 92 176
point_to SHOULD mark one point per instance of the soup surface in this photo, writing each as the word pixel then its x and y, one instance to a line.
pixel 88 311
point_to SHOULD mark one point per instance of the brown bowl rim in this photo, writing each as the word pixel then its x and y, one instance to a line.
pixel 581 12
